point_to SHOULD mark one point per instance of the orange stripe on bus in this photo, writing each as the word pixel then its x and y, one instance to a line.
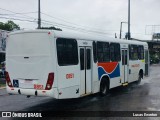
pixel 108 66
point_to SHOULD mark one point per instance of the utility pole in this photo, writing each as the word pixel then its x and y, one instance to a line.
pixel 129 34
pixel 39 14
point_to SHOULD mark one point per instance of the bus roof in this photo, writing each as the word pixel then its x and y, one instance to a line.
pixel 81 36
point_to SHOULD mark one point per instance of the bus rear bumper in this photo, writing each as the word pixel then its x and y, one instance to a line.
pixel 33 92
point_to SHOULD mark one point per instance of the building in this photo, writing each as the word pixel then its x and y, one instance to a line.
pixel 154 46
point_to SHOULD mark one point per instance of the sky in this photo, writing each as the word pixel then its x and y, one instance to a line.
pixel 89 16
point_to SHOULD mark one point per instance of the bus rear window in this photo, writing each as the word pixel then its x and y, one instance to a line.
pixel 67 52
pixel 28 44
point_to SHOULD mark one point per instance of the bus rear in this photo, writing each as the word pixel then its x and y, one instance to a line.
pixel 30 65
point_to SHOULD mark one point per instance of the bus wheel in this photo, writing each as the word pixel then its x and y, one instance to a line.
pixel 104 87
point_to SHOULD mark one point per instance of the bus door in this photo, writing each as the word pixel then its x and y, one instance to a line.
pixel 124 65
pixel 85 70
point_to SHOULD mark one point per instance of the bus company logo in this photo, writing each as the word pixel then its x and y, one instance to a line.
pixel 6 114
pixel 69 76
pixel 85 43
pixel 136 65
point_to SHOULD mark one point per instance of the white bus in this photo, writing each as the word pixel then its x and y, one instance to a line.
pixel 69 65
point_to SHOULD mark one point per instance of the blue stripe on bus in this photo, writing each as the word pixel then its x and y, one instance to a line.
pixel 114 73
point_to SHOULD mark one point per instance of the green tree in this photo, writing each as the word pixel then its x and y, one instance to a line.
pixel 9 26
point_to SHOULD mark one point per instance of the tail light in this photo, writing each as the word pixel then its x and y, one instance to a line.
pixel 8 79
pixel 50 81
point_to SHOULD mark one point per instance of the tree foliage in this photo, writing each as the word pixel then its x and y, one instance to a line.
pixel 9 26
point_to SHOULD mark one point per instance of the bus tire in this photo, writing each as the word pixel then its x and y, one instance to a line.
pixel 104 87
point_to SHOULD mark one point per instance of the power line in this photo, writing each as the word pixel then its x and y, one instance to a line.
pixel 72 27
pixel 17 19
pixel 55 23
pixel 15 16
pixel 75 24
pixel 17 13
pixel 81 28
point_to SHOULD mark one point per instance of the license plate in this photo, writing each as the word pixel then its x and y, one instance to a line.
pixel 38 87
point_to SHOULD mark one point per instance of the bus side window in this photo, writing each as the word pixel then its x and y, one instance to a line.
pixel 115 53
pixel 118 52
pixel 112 52
pixel 133 52
pixel 94 51
pixel 103 52
pixel 140 52
pixel 67 52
